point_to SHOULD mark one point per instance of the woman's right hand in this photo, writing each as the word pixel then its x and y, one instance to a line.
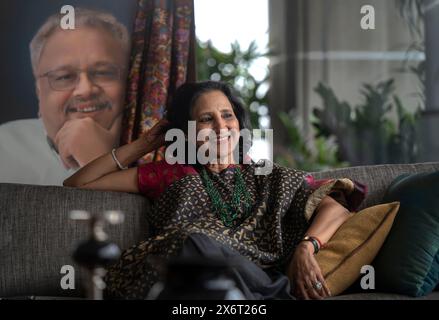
pixel 103 173
pixel 304 272
pixel 156 135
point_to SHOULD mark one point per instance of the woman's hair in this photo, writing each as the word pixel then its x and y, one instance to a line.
pixel 179 111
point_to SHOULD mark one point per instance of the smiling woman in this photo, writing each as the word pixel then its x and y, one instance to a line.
pixel 226 22
pixel 223 210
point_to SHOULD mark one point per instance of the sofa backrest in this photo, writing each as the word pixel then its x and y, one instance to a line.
pixel 377 177
pixel 37 237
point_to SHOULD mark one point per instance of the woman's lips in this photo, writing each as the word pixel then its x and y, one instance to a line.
pixel 223 139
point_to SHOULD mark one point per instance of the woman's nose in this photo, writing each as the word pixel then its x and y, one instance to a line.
pixel 220 124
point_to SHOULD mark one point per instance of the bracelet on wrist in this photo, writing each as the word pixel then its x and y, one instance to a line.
pixel 317 244
pixel 120 166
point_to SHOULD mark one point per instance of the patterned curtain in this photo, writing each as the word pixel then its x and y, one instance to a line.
pixel 162 58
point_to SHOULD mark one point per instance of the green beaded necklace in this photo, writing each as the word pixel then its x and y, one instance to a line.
pixel 228 212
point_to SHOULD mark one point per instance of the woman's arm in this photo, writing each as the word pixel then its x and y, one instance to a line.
pixel 121 181
pixel 303 268
pixel 329 216
pixel 103 173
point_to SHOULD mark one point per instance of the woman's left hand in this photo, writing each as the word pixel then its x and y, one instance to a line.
pixel 305 274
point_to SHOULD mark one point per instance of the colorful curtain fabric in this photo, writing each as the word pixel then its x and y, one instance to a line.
pixel 162 58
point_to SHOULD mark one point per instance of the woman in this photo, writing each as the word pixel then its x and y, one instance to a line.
pixel 274 222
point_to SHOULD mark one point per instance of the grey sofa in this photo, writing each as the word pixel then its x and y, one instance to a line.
pixel 37 237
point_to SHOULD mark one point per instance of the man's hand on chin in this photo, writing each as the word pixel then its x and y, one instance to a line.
pixel 80 141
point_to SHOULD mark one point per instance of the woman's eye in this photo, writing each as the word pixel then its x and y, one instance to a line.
pixel 227 115
pixel 205 119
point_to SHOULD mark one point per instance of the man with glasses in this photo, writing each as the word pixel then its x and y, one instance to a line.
pixel 80 79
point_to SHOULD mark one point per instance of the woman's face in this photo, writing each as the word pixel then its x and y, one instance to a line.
pixel 213 110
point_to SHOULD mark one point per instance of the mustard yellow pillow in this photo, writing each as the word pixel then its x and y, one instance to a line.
pixel 355 244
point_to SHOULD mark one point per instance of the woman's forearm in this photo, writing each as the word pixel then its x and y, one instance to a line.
pixel 303 269
pixel 329 217
pixel 105 164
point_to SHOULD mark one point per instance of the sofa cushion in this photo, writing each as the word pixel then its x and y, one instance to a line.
pixel 37 236
pixel 354 245
pixel 409 260
pixel 377 177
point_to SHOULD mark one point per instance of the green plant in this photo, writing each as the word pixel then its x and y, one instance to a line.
pixel 322 155
pixel 403 142
pixel 233 68
pixel 366 133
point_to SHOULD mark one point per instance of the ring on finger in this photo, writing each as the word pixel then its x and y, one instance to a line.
pixel 318 285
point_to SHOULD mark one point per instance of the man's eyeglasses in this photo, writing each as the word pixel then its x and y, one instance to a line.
pixel 67 78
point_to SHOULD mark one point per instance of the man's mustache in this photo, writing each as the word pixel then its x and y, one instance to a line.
pixel 93 105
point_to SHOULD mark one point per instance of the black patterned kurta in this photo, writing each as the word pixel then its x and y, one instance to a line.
pixel 283 204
